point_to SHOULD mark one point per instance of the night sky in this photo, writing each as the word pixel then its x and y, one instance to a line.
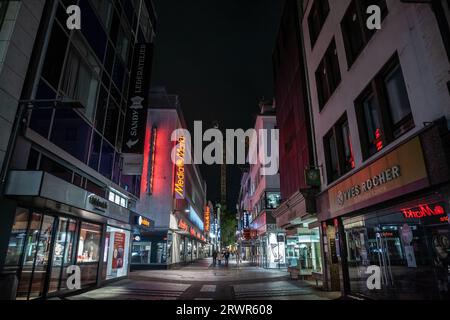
pixel 217 56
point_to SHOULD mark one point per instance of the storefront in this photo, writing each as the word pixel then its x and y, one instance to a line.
pixel 52 232
pixel 303 251
pixel 393 217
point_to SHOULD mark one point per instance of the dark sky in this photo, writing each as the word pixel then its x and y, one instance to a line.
pixel 217 56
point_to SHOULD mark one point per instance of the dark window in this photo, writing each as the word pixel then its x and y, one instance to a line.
pixel 94 157
pixel 116 169
pixel 77 180
pixel 102 104
pixel 317 16
pixel 328 75
pixel 109 58
pixel 112 118
pixel 106 160
pixel 55 169
pixel 3 9
pixel 338 150
pixel 54 58
pixel 331 156
pixel 354 27
pixel 41 118
pixel 383 109
pixel 95 188
pixel 33 160
pixel 71 133
pixel 92 29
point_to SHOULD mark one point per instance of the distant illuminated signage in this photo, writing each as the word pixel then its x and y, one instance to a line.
pixel 424 211
pixel 207 217
pixel 142 221
pixel 192 232
pixel 183 225
pixel 180 169
pixel 151 161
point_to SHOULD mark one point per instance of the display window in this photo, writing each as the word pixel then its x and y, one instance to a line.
pixel 141 252
pixel 89 252
pixel 117 242
pixel 275 253
pixel 303 251
pixel 410 246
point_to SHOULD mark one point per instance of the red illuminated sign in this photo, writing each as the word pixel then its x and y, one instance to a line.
pixel 192 232
pixel 183 225
pixel 423 211
pixel 151 162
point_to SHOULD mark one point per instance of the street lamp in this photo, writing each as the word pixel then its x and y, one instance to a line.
pixel 20 118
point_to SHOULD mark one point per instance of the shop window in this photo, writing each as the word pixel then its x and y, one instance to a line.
pixel 54 58
pixel 383 109
pixel 316 19
pixel 328 75
pixel 17 240
pixel 71 133
pixel 273 200
pixel 141 252
pixel 303 251
pixel 116 243
pixel 354 27
pixel 88 253
pixel 338 150
pixel 54 168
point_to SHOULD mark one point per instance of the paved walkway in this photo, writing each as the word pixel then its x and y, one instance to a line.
pixel 202 281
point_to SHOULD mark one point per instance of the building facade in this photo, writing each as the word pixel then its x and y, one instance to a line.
pixel 380 102
pixel 297 211
pixel 173 195
pixel 65 201
pixel 261 241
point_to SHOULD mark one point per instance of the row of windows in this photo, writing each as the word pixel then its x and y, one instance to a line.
pixel 383 114
pixel 355 33
pixel 92 67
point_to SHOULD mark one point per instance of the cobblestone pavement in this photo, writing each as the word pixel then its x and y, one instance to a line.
pixel 202 281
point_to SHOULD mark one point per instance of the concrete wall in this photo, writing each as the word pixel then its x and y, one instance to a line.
pixel 411 31
pixel 17 36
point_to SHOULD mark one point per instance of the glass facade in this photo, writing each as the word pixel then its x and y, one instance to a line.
pixel 410 244
pixel 303 251
pixel 43 245
pixel 92 67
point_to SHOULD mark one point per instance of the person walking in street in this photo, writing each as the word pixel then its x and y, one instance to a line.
pixel 214 255
pixel 219 258
pixel 227 257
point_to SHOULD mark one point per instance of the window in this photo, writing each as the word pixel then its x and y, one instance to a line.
pixel 3 9
pixel 354 27
pixel 328 75
pixel 55 169
pixel 117 198
pixel 338 150
pixel 383 109
pixel 316 19
pixel 80 81
pixel 89 243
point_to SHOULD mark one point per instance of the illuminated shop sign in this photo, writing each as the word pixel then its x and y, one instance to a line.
pixel 388 177
pixel 192 231
pixel 207 217
pixel 180 169
pixel 425 211
pixel 151 161
pixel 142 221
pixel 183 225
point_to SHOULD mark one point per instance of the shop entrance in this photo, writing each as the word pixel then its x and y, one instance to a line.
pixel 42 246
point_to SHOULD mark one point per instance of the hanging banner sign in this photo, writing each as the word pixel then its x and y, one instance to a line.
pixel 136 118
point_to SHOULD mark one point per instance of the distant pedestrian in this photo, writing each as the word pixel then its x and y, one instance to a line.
pixel 219 258
pixel 214 255
pixel 227 257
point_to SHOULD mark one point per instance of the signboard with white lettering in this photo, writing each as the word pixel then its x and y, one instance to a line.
pixel 136 118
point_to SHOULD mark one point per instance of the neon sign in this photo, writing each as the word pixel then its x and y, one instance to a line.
pixel 180 170
pixel 423 211
pixel 207 217
pixel 151 162
pixel 183 225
